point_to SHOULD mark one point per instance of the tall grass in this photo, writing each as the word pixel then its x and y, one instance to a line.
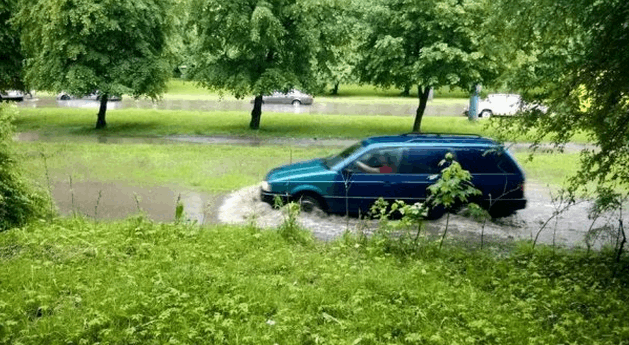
pixel 138 282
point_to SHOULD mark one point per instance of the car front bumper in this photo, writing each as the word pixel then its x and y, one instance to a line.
pixel 269 197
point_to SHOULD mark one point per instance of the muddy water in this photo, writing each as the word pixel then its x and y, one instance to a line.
pixel 101 200
pixel 569 228
pixel 432 109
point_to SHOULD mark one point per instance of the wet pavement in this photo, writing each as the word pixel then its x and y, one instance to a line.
pixel 322 107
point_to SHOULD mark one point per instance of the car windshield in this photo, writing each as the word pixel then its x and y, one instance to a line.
pixel 335 159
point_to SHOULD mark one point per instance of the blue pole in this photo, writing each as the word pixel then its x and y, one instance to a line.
pixel 472 113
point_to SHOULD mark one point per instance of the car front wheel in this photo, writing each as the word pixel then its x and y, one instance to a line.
pixel 485 114
pixel 296 102
pixel 309 203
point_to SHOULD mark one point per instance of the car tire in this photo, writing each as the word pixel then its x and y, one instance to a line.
pixel 435 212
pixel 296 102
pixel 309 203
pixel 498 212
pixel 485 114
pixel 64 97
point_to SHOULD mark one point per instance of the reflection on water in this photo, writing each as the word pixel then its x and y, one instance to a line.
pixel 245 105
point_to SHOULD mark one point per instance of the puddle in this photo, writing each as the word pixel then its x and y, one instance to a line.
pixel 432 109
pixel 119 201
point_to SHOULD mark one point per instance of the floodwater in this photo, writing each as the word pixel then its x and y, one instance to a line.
pixel 109 200
pixel 432 109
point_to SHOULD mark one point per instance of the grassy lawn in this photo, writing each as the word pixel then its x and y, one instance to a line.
pixel 136 282
pixel 208 168
pixel 155 123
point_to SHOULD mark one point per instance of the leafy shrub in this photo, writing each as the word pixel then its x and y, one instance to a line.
pixel 18 201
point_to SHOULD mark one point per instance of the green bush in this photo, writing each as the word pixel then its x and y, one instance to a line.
pixel 18 201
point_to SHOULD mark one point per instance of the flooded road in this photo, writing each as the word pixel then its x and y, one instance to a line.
pixel 432 109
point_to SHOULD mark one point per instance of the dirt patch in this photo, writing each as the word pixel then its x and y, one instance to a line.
pixel 569 228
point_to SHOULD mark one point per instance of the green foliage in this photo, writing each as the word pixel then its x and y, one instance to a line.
pixel 115 47
pixel 399 226
pixel 136 281
pixel 454 187
pixel 576 64
pixel 19 202
pixel 425 43
pixel 10 54
pixel 254 48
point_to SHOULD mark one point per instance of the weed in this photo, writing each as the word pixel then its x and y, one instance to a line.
pixel 290 229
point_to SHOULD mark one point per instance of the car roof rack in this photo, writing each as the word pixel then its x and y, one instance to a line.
pixel 467 135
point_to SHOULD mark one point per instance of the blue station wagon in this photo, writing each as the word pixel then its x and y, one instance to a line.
pixel 398 168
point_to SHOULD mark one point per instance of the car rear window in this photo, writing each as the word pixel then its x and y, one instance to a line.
pixel 422 161
pixel 485 161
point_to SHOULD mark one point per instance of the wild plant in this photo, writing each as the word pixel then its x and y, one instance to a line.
pixel 179 210
pixel 562 201
pixel 480 215
pixel 409 219
pixel 608 200
pixel 290 229
pixel 74 213
pixel 100 196
pixel 453 188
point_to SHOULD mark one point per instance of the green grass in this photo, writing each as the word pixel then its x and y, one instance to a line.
pixel 151 123
pixel 154 123
pixel 208 168
pixel 136 282
pixel 549 168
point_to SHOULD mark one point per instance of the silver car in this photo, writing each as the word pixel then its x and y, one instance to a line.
pixel 294 97
pixel 12 95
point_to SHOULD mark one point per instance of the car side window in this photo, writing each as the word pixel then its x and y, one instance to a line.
pixel 379 161
pixel 423 161
pixel 485 161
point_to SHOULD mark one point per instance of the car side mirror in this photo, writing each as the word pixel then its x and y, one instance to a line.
pixel 348 171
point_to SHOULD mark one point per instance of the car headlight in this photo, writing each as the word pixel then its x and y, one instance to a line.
pixel 266 186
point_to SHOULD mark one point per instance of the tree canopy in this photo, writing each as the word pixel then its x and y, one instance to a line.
pixel 10 53
pixel 255 47
pixel 428 43
pixel 85 46
pixel 578 65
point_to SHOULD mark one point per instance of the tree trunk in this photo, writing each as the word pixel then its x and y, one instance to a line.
pixel 335 89
pixel 422 94
pixel 100 122
pixel 256 113
pixel 407 91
